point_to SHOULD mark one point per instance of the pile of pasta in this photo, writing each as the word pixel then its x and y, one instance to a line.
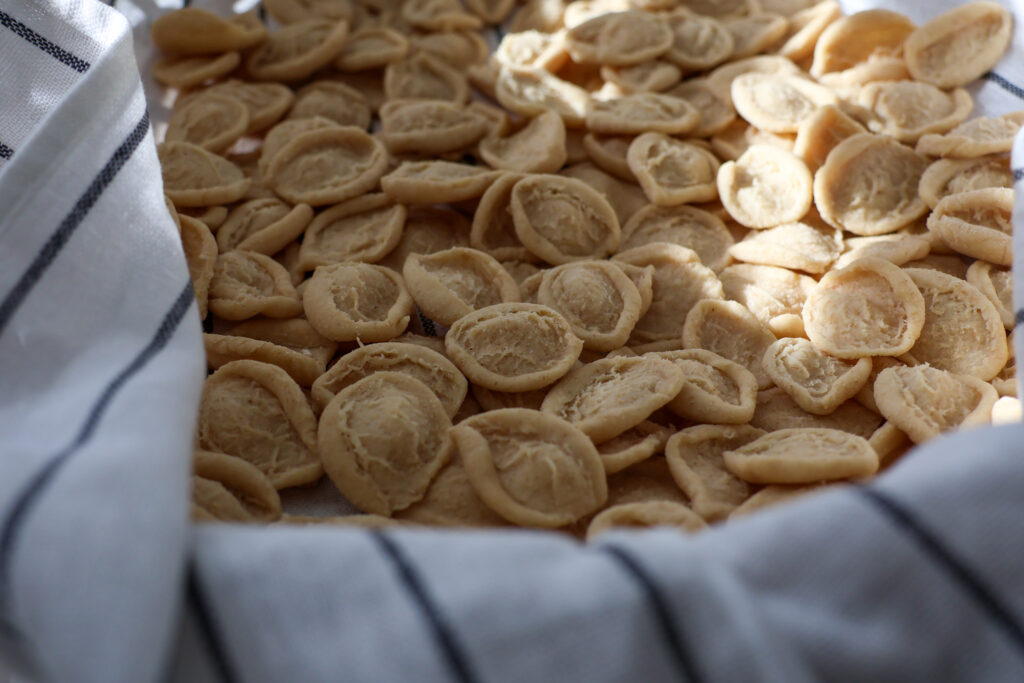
pixel 648 262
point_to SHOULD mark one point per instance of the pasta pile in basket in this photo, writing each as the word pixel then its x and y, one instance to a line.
pixel 649 262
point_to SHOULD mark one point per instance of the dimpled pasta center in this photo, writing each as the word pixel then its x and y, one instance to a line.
pixel 244 418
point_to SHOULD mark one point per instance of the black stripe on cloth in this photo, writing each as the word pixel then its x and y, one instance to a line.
pixel 18 653
pixel 48 254
pixel 1006 85
pixel 961 573
pixel 5 151
pixel 1018 318
pixel 1018 173
pixel 670 631
pixel 444 634
pixel 58 53
pixel 207 625
pixel 11 634
pixel 30 493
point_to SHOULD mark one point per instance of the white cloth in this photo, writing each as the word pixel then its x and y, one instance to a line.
pixel 917 576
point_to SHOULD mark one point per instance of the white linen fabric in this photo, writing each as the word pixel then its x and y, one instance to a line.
pixel 916 576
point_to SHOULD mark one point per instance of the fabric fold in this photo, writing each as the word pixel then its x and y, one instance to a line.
pixel 100 356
